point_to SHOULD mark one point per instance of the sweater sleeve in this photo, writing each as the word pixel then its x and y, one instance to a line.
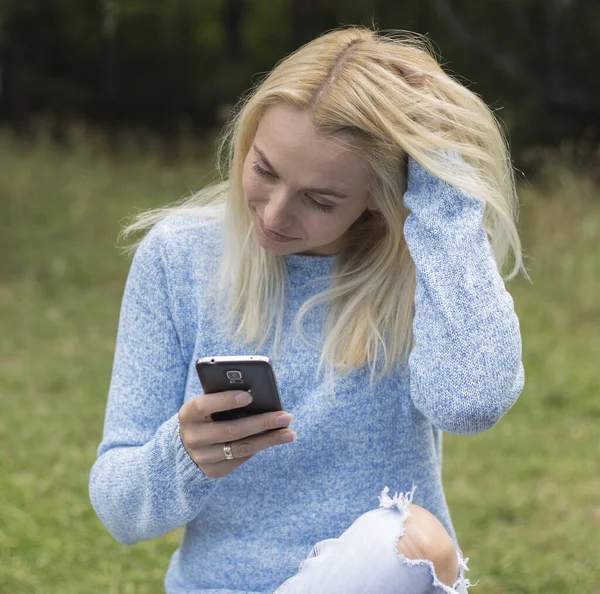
pixel 144 483
pixel 465 366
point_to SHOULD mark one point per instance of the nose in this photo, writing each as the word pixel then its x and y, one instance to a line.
pixel 277 214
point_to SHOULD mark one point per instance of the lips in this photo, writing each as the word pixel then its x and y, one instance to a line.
pixel 274 232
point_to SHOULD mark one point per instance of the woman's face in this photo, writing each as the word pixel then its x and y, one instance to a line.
pixel 302 187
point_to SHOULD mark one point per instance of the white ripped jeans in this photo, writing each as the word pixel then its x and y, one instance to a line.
pixel 365 559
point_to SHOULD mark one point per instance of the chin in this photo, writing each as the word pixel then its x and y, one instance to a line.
pixel 277 249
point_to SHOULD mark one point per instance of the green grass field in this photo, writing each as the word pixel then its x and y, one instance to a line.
pixel 525 496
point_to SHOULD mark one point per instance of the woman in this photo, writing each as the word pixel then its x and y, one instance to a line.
pixel 368 209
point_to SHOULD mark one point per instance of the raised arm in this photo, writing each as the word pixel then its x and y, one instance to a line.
pixel 144 483
pixel 465 368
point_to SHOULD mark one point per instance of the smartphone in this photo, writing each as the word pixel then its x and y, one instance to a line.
pixel 253 374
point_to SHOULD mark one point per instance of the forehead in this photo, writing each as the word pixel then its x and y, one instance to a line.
pixel 290 141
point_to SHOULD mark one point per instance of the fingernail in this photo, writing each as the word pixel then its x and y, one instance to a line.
pixel 243 398
pixel 292 436
pixel 284 418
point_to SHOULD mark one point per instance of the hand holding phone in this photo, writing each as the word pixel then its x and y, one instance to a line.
pixel 204 439
pixel 249 430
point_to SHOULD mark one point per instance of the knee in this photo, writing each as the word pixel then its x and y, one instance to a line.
pixel 426 538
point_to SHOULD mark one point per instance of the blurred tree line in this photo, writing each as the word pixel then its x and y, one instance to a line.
pixel 168 64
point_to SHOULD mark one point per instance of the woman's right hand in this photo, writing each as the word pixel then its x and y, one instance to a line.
pixel 204 438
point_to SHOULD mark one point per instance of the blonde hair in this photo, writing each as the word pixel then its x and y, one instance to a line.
pixel 389 96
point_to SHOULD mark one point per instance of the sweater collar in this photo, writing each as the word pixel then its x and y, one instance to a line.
pixel 309 266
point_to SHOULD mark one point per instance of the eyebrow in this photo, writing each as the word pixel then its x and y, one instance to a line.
pixel 326 191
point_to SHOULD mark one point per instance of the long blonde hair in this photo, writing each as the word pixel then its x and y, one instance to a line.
pixel 391 98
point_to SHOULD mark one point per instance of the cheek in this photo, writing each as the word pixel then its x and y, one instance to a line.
pixel 253 189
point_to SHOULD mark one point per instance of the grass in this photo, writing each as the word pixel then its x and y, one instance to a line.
pixel 524 495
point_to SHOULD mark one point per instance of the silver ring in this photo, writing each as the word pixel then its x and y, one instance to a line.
pixel 227 450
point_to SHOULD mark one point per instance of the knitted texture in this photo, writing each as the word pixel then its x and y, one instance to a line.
pixel 249 531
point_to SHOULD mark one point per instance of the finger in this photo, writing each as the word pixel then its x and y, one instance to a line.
pixel 221 469
pixel 204 406
pixel 243 449
pixel 236 429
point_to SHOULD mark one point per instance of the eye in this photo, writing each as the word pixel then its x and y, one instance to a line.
pixel 319 206
pixel 262 172
pixel 313 203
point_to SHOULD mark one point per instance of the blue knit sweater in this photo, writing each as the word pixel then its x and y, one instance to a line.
pixel 247 532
